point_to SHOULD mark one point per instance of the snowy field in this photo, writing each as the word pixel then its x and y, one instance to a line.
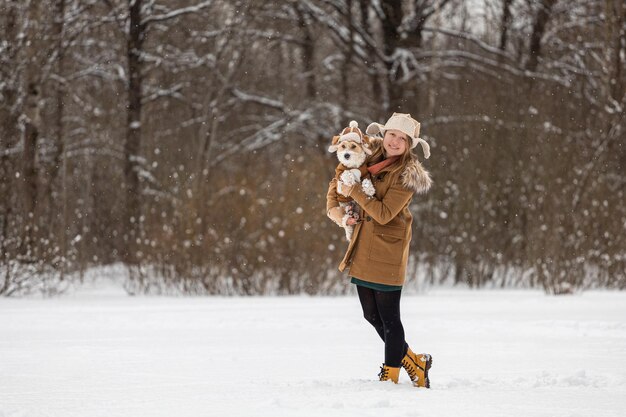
pixel 496 353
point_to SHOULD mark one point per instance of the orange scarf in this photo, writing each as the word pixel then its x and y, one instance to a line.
pixel 376 168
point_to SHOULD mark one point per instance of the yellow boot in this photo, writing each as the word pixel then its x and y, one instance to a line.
pixel 388 373
pixel 417 366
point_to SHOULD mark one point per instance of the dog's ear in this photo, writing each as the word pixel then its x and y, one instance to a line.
pixel 334 146
pixel 366 145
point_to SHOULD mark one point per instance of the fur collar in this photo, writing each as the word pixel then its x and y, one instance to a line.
pixel 416 178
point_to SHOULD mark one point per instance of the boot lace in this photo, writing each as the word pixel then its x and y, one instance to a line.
pixel 384 373
pixel 410 370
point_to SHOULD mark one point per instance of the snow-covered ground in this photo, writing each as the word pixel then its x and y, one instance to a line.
pixel 496 353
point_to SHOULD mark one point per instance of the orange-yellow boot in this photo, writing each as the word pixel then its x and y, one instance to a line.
pixel 387 373
pixel 417 366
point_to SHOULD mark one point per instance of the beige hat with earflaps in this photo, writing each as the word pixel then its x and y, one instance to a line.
pixel 405 124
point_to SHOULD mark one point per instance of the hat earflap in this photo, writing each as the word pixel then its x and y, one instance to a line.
pixel 374 129
pixel 425 147
pixel 335 144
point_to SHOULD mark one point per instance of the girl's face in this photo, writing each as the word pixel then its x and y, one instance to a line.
pixel 395 142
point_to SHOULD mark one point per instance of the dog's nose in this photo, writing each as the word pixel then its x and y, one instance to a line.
pixel 346 156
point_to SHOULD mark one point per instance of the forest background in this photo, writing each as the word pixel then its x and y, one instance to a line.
pixel 187 140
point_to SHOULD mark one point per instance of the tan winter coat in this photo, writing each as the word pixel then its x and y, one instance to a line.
pixel 379 249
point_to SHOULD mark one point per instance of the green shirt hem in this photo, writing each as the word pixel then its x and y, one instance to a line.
pixel 375 286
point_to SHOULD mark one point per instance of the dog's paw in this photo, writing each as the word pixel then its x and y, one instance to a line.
pixel 357 174
pixel 347 177
pixel 368 187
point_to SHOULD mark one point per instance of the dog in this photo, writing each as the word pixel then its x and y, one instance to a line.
pixel 352 149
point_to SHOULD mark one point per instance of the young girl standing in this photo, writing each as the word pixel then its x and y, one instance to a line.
pixel 378 252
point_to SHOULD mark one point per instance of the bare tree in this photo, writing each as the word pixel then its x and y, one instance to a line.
pixel 539 27
pixel 140 15
pixel 190 141
pixel 505 23
pixel 31 117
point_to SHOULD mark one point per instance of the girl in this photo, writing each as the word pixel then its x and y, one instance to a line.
pixel 379 250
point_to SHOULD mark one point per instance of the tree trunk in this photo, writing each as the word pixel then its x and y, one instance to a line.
pixel 58 158
pixel 344 96
pixel 616 36
pixel 60 93
pixel 505 22
pixel 308 54
pixel 9 116
pixel 377 92
pixel 132 145
pixel 539 29
pixel 616 12
pixel 31 120
pixel 392 18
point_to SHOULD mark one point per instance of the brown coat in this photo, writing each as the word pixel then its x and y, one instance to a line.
pixel 379 249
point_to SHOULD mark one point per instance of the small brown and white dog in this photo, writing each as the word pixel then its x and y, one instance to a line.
pixel 352 148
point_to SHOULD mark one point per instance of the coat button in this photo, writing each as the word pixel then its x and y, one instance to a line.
pixel 368 218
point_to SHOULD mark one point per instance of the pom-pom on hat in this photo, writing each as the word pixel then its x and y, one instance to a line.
pixel 405 124
pixel 352 132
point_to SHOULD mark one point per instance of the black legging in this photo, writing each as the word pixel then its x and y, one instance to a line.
pixel 382 310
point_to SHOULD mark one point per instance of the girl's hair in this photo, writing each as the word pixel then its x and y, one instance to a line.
pixel 407 157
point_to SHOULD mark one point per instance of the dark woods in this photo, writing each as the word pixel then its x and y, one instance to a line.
pixel 187 140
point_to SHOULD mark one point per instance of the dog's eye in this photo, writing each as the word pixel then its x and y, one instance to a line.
pixel 353 146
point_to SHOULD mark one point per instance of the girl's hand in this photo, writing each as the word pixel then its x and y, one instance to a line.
pixel 344 189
